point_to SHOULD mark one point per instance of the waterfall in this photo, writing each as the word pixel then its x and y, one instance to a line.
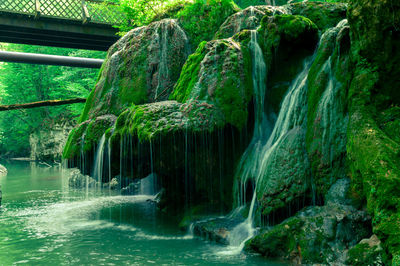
pixel 162 40
pixel 99 159
pixel 249 162
pixel 291 114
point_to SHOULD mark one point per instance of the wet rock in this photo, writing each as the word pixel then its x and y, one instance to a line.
pixel 246 19
pixel 85 136
pixel 339 193
pixel 324 15
pixel 367 252
pixel 132 189
pixel 285 179
pixel 327 117
pixel 141 67
pixel 215 229
pixel 114 184
pixel 78 180
pixel 314 235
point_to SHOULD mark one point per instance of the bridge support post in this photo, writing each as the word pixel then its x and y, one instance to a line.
pixel 37 9
pixel 85 13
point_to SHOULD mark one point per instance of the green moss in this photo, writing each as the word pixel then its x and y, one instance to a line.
pixel 286 32
pixel 374 161
pixel 363 254
pixel 218 83
pixel 278 241
pixel 72 147
pixel 94 132
pixel 189 75
pixel 149 121
pixel 324 14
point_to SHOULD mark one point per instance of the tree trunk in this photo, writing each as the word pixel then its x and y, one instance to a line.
pixel 40 104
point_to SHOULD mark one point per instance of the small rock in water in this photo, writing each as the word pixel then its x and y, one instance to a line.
pixel 3 170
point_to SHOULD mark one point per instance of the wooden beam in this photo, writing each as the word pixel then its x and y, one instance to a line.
pixel 41 104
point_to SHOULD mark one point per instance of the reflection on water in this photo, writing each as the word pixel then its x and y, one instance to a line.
pixel 43 222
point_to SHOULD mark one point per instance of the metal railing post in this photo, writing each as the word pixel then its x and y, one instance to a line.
pixel 85 13
pixel 37 9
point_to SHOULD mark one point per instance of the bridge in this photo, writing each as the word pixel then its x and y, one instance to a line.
pixel 80 24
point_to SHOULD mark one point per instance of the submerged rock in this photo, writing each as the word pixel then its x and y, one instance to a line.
pixel 215 229
pixel 77 180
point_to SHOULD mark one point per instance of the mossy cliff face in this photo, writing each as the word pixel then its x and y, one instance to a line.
pixel 141 67
pixel 373 147
pixel 327 116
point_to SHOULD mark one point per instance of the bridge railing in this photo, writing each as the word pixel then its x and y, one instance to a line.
pixel 76 10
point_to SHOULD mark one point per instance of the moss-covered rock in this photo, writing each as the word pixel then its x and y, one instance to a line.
pixel 219 72
pixel 149 121
pixel 324 15
pixel 247 19
pixel 141 67
pixel 367 252
pixel 85 136
pixel 286 32
pixel 314 235
pixel 286 176
pixel 327 117
pixel 373 150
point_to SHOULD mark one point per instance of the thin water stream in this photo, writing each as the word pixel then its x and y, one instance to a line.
pixel 43 222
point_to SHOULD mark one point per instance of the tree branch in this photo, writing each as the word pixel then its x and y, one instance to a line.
pixel 41 104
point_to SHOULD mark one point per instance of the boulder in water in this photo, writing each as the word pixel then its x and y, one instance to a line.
pixel 78 180
pixel 314 235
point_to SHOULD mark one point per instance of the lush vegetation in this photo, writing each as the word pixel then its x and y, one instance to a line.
pixel 23 83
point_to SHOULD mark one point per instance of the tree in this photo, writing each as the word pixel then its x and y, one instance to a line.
pixel 23 83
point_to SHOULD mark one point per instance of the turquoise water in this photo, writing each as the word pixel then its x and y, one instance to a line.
pixel 42 222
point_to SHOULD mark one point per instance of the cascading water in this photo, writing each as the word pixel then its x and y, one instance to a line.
pixel 99 160
pixel 262 128
pixel 292 113
pixel 162 38
pixel 252 156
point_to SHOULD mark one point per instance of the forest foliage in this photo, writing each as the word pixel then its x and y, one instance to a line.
pixel 24 83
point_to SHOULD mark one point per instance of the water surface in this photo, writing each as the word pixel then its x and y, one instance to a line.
pixel 42 222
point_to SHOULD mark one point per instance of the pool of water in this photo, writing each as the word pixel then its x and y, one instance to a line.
pixel 44 222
